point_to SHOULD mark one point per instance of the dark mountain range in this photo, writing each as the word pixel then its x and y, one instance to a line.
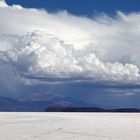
pixel 13 105
pixel 36 103
pixel 53 104
pixel 89 109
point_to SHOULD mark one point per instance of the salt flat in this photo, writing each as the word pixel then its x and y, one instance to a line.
pixel 69 126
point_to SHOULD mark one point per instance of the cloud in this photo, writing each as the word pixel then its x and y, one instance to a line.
pixel 38 46
pixel 40 54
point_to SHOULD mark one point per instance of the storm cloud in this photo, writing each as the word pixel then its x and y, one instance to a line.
pixel 38 47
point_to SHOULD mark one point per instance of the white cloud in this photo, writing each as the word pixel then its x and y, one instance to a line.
pixel 40 54
pixel 37 43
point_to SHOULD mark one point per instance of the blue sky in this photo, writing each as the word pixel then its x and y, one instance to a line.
pixel 82 7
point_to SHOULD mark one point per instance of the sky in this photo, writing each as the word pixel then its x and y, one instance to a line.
pixel 82 7
pixel 87 50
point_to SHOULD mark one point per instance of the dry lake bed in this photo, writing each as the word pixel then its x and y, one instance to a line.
pixel 69 126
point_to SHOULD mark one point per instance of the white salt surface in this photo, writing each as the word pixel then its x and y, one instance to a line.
pixel 69 126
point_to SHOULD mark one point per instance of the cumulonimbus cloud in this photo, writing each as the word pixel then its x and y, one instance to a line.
pixel 35 43
pixel 40 54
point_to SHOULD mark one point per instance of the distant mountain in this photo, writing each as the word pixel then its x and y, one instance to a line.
pixel 12 105
pixel 89 109
pixel 56 100
pixel 54 104
pixel 74 109
pixel 36 103
pixel 8 104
